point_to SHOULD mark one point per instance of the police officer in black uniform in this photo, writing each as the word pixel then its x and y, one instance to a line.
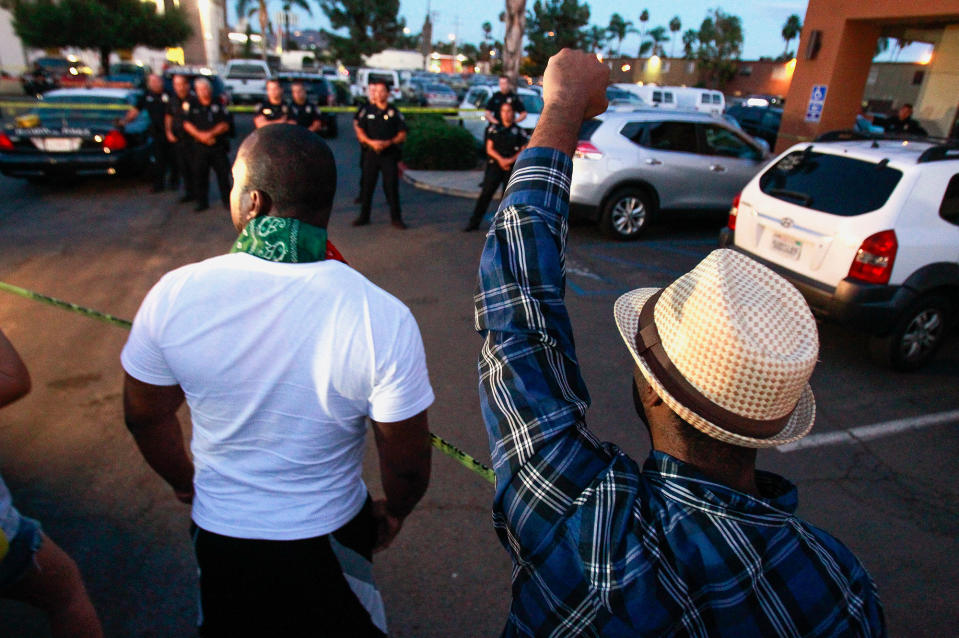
pixel 504 95
pixel 303 112
pixel 503 144
pixel 275 110
pixel 155 101
pixel 381 130
pixel 178 107
pixel 208 123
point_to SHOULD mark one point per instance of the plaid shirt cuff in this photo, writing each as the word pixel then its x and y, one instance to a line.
pixel 540 179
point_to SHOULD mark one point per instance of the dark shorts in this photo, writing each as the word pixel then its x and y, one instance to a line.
pixel 314 587
pixel 19 557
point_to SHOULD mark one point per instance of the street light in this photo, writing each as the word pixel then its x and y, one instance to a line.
pixel 406 30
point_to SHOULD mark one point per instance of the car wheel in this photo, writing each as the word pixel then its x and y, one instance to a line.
pixel 916 336
pixel 627 214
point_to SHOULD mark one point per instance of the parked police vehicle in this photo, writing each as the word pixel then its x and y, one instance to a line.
pixel 77 132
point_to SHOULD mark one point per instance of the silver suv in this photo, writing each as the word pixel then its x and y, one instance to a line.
pixel 629 166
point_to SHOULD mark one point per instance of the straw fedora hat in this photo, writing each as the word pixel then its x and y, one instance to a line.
pixel 729 347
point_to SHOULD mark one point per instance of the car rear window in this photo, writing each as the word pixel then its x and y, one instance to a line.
pixel 588 128
pixel 246 72
pixel 830 183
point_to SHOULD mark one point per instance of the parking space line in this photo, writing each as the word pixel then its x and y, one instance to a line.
pixel 869 432
pixel 639 265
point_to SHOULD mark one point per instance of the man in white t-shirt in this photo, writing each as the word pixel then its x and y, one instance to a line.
pixel 282 352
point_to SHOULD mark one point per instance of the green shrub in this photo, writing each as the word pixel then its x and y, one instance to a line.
pixel 432 144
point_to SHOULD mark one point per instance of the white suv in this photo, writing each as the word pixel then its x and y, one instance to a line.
pixel 868 231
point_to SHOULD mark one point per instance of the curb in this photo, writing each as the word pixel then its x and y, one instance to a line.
pixel 443 190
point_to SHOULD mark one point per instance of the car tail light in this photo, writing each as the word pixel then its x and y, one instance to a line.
pixel 734 211
pixel 586 150
pixel 874 259
pixel 5 143
pixel 115 141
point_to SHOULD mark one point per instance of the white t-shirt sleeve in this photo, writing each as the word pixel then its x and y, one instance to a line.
pixel 401 387
pixel 142 358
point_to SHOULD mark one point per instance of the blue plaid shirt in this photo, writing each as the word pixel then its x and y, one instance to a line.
pixel 601 547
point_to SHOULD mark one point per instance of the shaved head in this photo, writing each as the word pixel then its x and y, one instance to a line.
pixel 292 172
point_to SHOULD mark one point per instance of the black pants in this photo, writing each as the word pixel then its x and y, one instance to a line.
pixel 373 165
pixel 494 177
pixel 163 160
pixel 183 154
pixel 294 589
pixel 207 157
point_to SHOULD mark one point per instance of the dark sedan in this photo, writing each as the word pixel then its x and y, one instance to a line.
pixel 77 132
pixel 759 121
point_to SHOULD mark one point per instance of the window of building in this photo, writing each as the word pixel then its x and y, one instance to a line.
pixel 746 70
pixel 690 68
pixel 917 78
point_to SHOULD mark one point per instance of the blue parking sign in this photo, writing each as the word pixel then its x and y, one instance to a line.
pixel 816 101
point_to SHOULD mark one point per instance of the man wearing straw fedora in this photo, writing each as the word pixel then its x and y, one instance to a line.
pixel 695 541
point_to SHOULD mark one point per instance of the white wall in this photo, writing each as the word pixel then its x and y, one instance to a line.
pixel 395 59
pixel 11 53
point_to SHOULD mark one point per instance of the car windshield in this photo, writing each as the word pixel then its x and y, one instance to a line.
pixel 439 88
pixel 70 108
pixel 246 72
pixel 533 103
pixel 832 184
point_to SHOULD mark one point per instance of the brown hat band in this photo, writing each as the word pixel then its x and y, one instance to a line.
pixel 650 348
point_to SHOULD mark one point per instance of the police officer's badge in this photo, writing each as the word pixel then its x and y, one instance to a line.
pixel 215 108
pixel 267 111
pixel 185 106
pixel 165 98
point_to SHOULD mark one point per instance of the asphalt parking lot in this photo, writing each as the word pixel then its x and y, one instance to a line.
pixel 893 499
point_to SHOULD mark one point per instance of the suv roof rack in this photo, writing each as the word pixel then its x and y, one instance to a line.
pixel 940 152
pixel 852 135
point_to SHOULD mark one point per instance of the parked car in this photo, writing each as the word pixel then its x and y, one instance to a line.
pixel 474 120
pixel 758 121
pixel 246 79
pixel 629 167
pixel 622 100
pixel 439 95
pixel 48 73
pixel 71 136
pixel 128 73
pixel 868 231
pixel 318 89
pixel 220 91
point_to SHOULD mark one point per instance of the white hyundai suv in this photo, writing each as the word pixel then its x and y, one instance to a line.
pixel 868 231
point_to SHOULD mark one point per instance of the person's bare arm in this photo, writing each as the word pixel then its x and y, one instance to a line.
pixel 574 90
pixel 194 132
pixel 316 126
pixel 521 116
pixel 405 453
pixel 489 117
pixel 131 115
pixel 14 377
pixel 399 138
pixel 150 415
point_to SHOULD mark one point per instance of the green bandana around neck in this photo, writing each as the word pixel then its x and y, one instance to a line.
pixel 282 239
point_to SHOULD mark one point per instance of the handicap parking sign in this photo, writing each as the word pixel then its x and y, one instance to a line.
pixel 816 101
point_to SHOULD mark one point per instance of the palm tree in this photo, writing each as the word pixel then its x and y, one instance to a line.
pixel 513 39
pixel 249 7
pixel 594 38
pixel 791 30
pixel 900 45
pixel 657 35
pixel 619 28
pixel 690 36
pixel 674 27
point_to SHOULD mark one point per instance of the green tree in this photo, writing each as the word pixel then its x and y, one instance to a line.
pixel 594 39
pixel 675 26
pixel 656 35
pixel 619 28
pixel 372 25
pixel 690 38
pixel 791 31
pixel 882 45
pixel 554 25
pixel 720 46
pixel 104 25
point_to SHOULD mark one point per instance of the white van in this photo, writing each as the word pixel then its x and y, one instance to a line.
pixel 702 100
pixel 365 76
pixel 663 97
pixel 246 79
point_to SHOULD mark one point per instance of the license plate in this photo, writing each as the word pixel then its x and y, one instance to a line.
pixel 787 245
pixel 61 144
